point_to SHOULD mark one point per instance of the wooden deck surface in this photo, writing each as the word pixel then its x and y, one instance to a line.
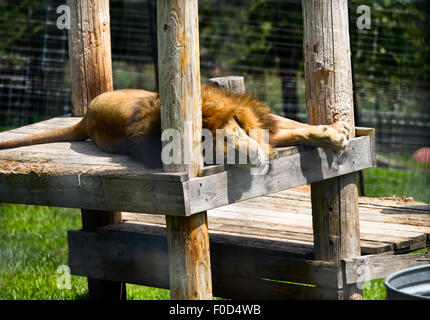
pixel 283 221
pixel 79 175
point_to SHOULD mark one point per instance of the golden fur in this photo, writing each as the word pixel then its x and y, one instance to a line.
pixel 128 121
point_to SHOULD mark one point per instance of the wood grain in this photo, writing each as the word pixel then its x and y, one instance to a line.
pixel 179 75
pixel 189 260
pixel 329 98
pixel 234 84
pixel 380 266
pixel 179 72
pixel 285 218
pixel 91 75
pixel 266 238
pixel 89 51
pixel 295 166
pixel 231 263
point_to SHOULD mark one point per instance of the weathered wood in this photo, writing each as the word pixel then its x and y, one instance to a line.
pixel 298 166
pixel 379 266
pixel 259 238
pixel 179 74
pixel 89 253
pixel 189 260
pixel 85 152
pixel 234 84
pixel 242 288
pixel 91 75
pixel 295 237
pixel 91 191
pixel 364 131
pixel 99 288
pixel 179 71
pixel 329 98
pixel 77 166
pixel 89 51
pixel 286 216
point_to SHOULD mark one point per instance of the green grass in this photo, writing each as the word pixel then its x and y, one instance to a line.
pixel 383 182
pixel 33 244
pixel 375 289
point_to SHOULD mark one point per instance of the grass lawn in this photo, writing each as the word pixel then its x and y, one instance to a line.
pixel 383 182
pixel 33 244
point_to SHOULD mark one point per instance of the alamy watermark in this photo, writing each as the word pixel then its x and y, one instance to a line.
pixel 231 147
pixel 64 280
pixel 364 21
pixel 63 21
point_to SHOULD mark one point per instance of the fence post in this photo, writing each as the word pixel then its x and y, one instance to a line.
pixel 327 59
pixel 179 75
pixel 91 75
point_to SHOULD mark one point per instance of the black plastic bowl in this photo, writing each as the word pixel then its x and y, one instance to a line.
pixel 409 284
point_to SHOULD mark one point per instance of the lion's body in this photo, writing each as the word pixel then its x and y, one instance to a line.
pixel 128 121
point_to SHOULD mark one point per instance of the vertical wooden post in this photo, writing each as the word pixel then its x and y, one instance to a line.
pixel 179 74
pixel 91 75
pixel 329 99
pixel 234 84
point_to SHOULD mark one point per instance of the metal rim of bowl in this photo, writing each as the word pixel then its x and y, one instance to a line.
pixel 400 273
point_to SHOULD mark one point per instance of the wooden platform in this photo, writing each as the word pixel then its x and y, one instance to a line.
pixel 256 240
pixel 284 220
pixel 79 175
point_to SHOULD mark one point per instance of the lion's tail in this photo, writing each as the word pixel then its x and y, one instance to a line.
pixel 75 132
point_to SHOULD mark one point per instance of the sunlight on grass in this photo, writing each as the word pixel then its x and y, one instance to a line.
pixel 33 244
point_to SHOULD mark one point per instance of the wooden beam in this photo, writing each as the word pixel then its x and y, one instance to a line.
pixel 144 260
pixel 179 73
pixel 291 167
pixel 91 75
pixel 372 267
pixel 329 98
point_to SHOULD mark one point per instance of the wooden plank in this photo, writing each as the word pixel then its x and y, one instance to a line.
pixel 297 240
pixel 180 108
pixel 263 215
pixel 92 191
pixel 84 158
pixel 401 216
pixel 401 221
pixel 308 165
pixel 371 209
pixel 242 288
pixel 379 266
pixel 130 243
pixel 117 166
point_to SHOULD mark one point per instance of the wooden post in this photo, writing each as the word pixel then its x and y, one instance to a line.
pixel 234 84
pixel 179 73
pixel 91 75
pixel 329 99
